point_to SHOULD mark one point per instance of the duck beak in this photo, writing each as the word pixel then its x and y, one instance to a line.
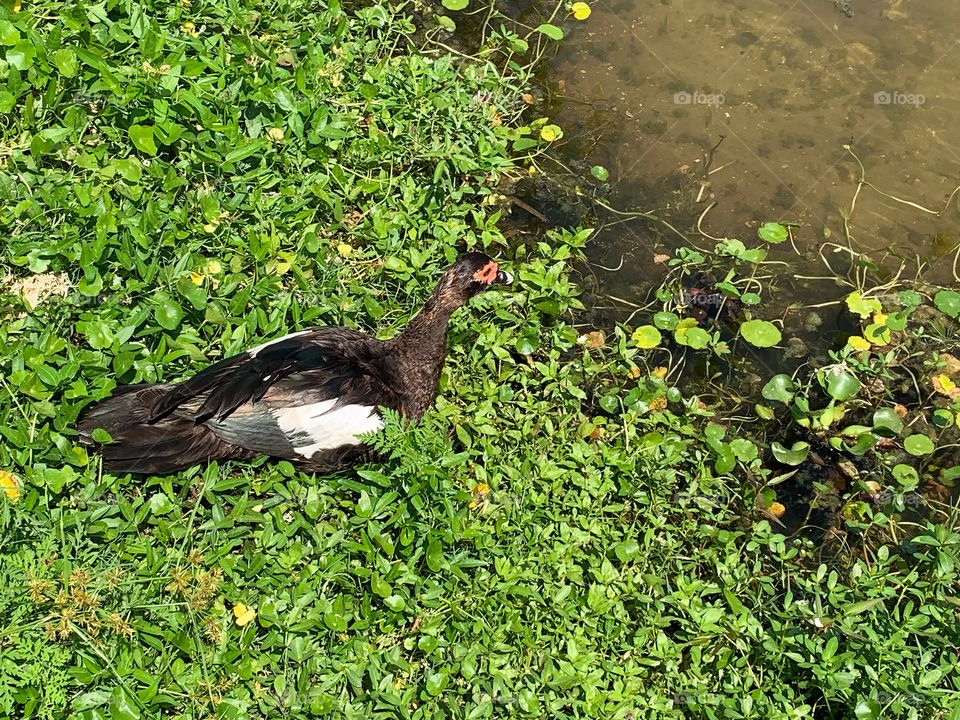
pixel 503 277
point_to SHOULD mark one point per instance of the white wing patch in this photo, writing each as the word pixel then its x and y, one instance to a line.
pixel 254 350
pixel 328 428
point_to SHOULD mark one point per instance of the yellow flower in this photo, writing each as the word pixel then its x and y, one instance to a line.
pixel 858 343
pixel 275 134
pixel 659 372
pixel 480 492
pixel 190 29
pixel 776 509
pixel 344 249
pixel 10 485
pixel 196 278
pixel 580 10
pixel 243 615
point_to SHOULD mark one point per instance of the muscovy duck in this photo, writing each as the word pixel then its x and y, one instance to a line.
pixel 304 397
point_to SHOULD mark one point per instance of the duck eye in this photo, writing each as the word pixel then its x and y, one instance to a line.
pixel 487 274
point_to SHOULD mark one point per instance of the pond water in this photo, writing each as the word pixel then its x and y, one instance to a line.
pixel 647 88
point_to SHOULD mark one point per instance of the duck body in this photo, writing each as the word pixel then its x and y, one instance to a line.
pixel 307 397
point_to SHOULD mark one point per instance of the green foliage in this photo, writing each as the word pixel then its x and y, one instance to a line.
pixel 566 534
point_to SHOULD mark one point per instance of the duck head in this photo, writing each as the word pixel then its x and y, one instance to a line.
pixel 469 275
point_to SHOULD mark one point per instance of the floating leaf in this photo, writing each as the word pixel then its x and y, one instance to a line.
pixel 551 31
pixel 760 333
pixel 666 320
pixel 692 337
pixel 878 333
pixel 599 172
pixel 455 4
pixel 919 445
pixel 887 419
pixel 792 456
pixel 842 385
pixel 551 133
pixel 580 10
pixel 646 337
pixel 948 301
pixel 906 476
pixel 772 232
pixel 864 307
pixel 780 388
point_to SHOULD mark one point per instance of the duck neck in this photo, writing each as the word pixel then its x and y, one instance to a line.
pixel 417 355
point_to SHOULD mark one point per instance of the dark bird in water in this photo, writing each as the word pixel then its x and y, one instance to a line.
pixel 304 397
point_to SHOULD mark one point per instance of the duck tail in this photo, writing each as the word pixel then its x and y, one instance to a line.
pixel 138 446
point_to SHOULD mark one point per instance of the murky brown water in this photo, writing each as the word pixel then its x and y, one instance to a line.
pixel 647 87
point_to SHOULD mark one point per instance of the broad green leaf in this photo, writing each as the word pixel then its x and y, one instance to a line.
pixel 760 333
pixel 948 301
pixel 842 385
pixel 599 172
pixel 887 419
pixel 551 31
pixel 646 337
pixel 791 456
pixel 122 706
pixel 66 61
pixel 918 445
pixel 666 320
pixel 455 4
pixel 693 337
pixel 772 232
pixel 864 307
pixel 780 388
pixel 167 311
pixel 142 138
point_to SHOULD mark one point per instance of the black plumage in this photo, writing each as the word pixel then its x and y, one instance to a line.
pixel 304 397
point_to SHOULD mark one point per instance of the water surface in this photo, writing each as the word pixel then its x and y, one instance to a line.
pixel 648 87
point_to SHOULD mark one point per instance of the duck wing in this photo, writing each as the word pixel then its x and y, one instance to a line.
pixel 330 356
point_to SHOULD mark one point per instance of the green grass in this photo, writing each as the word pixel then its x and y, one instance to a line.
pixel 563 535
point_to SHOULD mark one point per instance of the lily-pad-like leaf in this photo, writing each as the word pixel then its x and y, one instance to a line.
pixel 918 445
pixel 760 333
pixel 948 301
pixel 600 172
pixel 646 337
pixel 864 307
pixel 551 31
pixel 551 132
pixel 780 388
pixel 455 4
pixel 693 337
pixel 842 385
pixel 772 232
pixel 886 419
pixel 877 333
pixel 790 456
pixel 906 476
pixel 666 320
